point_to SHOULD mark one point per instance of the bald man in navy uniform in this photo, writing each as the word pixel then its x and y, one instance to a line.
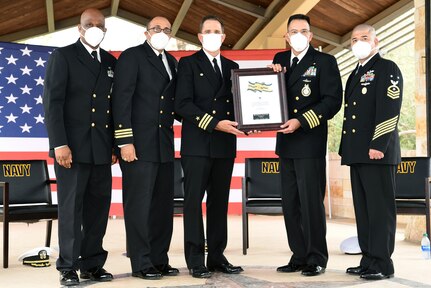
pixel 371 147
pixel 77 102
pixel 143 108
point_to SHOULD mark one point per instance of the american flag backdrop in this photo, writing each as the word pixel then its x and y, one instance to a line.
pixel 22 130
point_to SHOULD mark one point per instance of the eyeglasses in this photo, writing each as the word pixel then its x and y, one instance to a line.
pixel 303 32
pixel 158 29
pixel 88 26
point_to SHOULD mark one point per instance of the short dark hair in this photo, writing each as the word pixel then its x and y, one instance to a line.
pixel 298 17
pixel 211 17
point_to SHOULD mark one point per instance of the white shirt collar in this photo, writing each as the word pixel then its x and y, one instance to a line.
pixel 300 55
pixel 157 51
pixel 211 58
pixel 368 60
pixel 164 59
pixel 89 49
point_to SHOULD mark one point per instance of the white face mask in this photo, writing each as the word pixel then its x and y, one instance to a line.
pixel 211 42
pixel 299 42
pixel 94 36
pixel 361 49
pixel 159 40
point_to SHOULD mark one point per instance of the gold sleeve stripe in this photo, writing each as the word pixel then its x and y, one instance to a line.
pixel 385 127
pixel 123 133
pixel 311 118
pixel 123 136
pixel 205 125
pixel 205 121
pixel 123 130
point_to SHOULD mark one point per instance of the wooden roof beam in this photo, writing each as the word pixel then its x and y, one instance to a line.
pixel 114 7
pixel 257 25
pixel 326 36
pixel 243 6
pixel 277 26
pixel 50 20
pixel 378 21
pixel 129 16
pixel 180 16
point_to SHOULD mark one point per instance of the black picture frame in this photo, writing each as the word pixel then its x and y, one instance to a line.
pixel 251 111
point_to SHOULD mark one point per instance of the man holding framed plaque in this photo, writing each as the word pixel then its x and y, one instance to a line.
pixel 208 148
pixel 314 95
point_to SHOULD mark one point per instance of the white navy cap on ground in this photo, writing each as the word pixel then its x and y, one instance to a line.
pixel 350 246
pixel 37 257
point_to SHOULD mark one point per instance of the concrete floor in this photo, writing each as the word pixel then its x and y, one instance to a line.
pixel 268 249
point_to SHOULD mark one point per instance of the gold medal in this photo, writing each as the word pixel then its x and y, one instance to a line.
pixel 364 90
pixel 306 91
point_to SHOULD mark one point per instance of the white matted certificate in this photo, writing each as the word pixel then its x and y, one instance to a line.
pixel 259 97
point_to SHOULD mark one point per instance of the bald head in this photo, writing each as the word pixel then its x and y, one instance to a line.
pixel 361 34
pixel 92 15
pixel 160 21
pixel 91 18
pixel 365 28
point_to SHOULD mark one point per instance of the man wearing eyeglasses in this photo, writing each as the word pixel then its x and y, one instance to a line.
pixel 143 109
pixel 314 96
pixel 208 148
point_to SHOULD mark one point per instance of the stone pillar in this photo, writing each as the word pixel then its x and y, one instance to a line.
pixel 421 117
pixel 416 224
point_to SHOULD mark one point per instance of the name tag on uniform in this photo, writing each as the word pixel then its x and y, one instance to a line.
pixel 110 72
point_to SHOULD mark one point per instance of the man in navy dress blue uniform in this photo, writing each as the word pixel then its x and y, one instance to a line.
pixel 314 95
pixel 77 102
pixel 208 148
pixel 371 147
pixel 143 107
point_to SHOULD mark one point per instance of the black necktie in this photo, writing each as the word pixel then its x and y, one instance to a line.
pixel 161 57
pixel 94 54
pixel 358 69
pixel 294 63
pixel 218 72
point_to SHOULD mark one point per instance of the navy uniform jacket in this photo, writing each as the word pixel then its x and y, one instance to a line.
pixel 202 106
pixel 371 113
pixel 77 102
pixel 143 103
pixel 314 95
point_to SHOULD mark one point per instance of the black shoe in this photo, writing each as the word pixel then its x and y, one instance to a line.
pixel 69 278
pixel 291 267
pixel 372 274
pixel 200 272
pixel 313 270
pixel 96 274
pixel 148 273
pixel 226 268
pixel 167 270
pixel 356 270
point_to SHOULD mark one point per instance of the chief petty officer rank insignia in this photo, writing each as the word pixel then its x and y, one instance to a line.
pixel 393 90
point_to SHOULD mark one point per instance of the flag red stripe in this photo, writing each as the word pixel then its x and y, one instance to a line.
pixel 240 158
pixel 234 208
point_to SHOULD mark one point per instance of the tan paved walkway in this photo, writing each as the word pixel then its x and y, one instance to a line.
pixel 268 249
